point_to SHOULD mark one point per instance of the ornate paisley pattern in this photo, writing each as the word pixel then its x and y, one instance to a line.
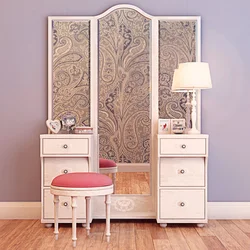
pixel 176 45
pixel 124 85
pixel 71 71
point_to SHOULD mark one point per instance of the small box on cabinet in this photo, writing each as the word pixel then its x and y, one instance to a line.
pixel 164 126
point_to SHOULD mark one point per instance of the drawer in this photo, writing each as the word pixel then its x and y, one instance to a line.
pixel 182 146
pixel 182 172
pixel 66 146
pixel 182 204
pixel 57 166
pixel 65 210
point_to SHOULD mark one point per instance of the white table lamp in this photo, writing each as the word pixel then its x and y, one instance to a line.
pixel 193 76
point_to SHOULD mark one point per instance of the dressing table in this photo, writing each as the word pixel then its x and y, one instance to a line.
pixel 114 72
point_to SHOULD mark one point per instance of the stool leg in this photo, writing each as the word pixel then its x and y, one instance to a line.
pixel 108 202
pixel 87 198
pixel 114 180
pixel 74 206
pixel 56 208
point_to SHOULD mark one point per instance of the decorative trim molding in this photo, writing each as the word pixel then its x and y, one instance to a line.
pixel 216 210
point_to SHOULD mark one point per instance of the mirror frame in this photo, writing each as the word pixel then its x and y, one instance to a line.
pixel 125 206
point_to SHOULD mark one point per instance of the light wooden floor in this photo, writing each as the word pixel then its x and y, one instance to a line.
pixel 132 183
pixel 126 235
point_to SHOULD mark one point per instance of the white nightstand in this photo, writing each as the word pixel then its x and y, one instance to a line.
pixel 182 179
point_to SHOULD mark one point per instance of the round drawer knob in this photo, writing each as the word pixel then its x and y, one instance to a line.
pixel 65 146
pixel 182 204
pixel 65 171
pixel 182 171
pixel 183 146
pixel 65 204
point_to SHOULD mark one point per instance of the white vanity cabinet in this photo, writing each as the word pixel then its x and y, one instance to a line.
pixel 182 179
pixel 62 154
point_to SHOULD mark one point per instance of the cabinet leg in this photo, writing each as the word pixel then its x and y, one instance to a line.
pixel 200 224
pixel 48 225
pixel 163 225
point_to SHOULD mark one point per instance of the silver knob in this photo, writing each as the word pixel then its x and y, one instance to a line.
pixel 182 171
pixel 183 146
pixel 65 146
pixel 65 204
pixel 182 204
pixel 65 171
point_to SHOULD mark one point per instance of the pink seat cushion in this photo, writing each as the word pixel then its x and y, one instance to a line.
pixel 81 180
pixel 105 163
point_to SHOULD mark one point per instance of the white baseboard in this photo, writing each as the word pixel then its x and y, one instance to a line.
pixel 20 210
pixel 216 210
pixel 228 210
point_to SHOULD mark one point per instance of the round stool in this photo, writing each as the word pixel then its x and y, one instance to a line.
pixel 107 166
pixel 81 184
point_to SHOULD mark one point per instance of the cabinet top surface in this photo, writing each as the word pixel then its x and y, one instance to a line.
pixel 181 136
pixel 67 136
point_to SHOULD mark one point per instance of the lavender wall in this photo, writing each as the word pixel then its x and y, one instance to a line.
pixel 23 94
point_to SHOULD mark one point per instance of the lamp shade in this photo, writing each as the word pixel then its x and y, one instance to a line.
pixel 176 81
pixel 193 75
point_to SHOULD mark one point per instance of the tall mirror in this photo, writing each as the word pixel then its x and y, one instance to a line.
pixel 124 122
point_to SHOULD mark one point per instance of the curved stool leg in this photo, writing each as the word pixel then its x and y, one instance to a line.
pixel 73 205
pixel 56 208
pixel 87 198
pixel 108 202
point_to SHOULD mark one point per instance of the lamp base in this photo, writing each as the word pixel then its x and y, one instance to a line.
pixel 193 131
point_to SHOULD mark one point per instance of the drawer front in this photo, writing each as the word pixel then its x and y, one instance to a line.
pixel 183 146
pixel 66 146
pixel 65 210
pixel 182 172
pixel 57 166
pixel 182 204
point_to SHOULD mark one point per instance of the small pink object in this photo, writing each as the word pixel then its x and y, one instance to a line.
pixel 106 163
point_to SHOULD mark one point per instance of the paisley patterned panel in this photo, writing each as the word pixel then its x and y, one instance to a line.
pixel 124 83
pixel 176 45
pixel 71 70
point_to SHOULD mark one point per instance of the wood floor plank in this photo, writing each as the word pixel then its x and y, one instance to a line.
pixel 176 238
pixel 127 240
pixel 143 240
pixel 127 226
pixel 221 233
pixel 204 231
pixel 244 225
pixel 236 233
pixel 212 242
pixel 126 235
pixel 13 238
pixel 193 239
pixel 157 232
pixel 161 244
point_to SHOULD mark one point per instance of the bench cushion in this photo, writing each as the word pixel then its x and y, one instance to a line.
pixel 106 163
pixel 81 180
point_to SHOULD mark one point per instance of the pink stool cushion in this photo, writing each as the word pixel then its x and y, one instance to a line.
pixel 106 163
pixel 81 180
